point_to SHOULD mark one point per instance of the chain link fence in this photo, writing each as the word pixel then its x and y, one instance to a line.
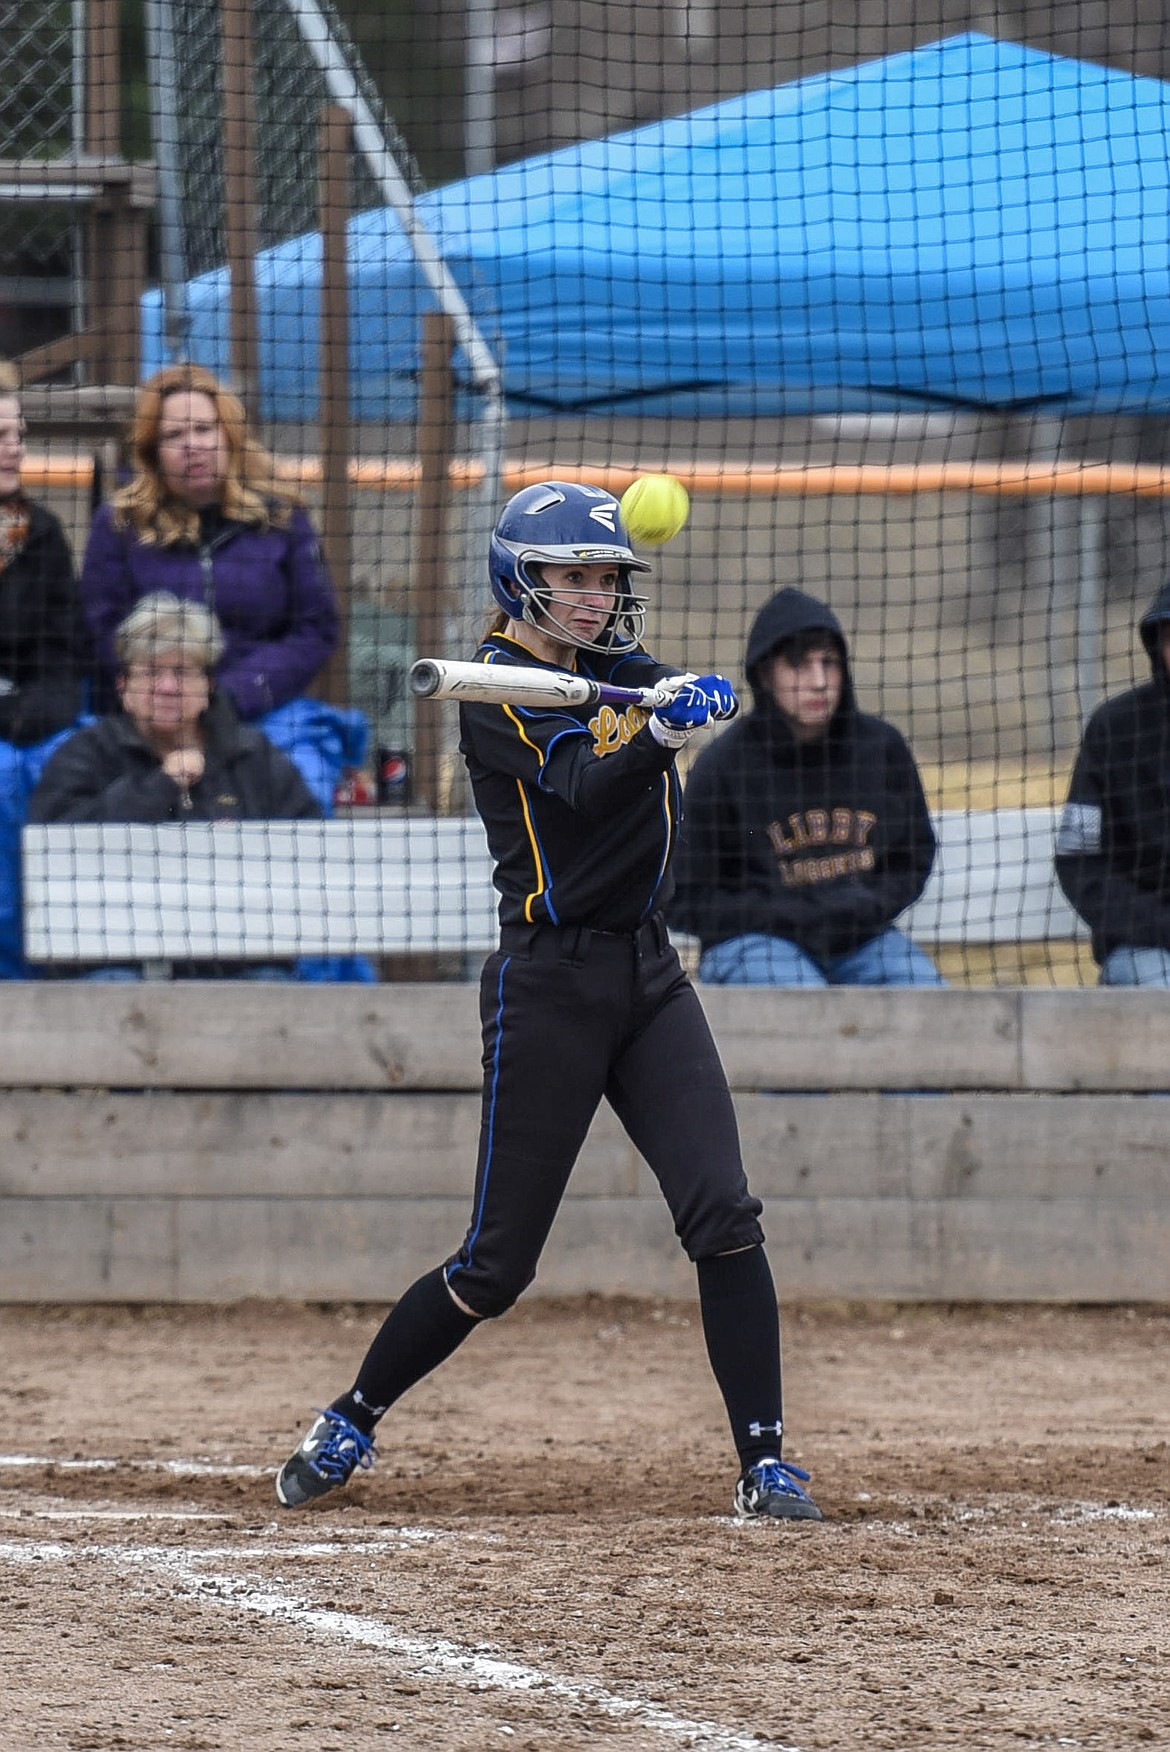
pixel 39 69
pixel 288 92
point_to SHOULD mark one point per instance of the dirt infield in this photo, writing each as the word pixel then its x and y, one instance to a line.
pixel 545 1558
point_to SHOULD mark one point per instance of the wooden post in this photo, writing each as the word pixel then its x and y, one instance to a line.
pixel 103 97
pixel 103 80
pixel 333 411
pixel 436 435
pixel 241 224
pixel 125 232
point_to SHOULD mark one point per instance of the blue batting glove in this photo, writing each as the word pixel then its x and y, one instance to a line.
pixel 720 695
pixel 690 708
pixel 700 700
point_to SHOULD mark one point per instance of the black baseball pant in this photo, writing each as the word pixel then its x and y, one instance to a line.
pixel 571 1016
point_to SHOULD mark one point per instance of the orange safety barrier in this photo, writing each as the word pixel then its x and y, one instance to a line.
pixel 711 479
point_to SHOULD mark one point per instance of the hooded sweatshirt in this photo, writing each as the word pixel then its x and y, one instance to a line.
pixel 44 650
pixel 1113 843
pixel 823 843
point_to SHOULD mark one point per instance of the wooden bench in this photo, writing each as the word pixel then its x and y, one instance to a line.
pixel 385 885
pixel 318 1143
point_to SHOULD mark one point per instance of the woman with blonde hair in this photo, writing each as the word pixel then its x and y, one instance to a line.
pixel 43 655
pixel 206 517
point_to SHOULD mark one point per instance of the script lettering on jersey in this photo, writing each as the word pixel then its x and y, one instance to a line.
pixel 611 728
pixel 817 830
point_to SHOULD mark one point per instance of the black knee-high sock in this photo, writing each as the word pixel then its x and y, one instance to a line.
pixel 418 1334
pixel 742 1328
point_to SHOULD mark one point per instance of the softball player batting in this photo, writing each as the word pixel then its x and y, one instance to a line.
pixel 584 998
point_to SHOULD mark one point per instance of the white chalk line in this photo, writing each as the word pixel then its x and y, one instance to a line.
pixel 423 1658
pixel 177 1468
pixel 205 1468
pixel 1104 1512
pixel 1017 1512
pixel 348 1542
pixel 39 1514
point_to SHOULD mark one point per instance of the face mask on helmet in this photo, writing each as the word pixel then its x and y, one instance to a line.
pixel 560 523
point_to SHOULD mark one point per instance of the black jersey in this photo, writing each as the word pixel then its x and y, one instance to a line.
pixel 580 804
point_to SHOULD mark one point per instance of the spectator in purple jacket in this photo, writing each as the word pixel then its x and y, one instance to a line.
pixel 206 518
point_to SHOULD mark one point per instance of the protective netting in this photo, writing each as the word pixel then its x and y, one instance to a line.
pixel 891 299
pixel 287 91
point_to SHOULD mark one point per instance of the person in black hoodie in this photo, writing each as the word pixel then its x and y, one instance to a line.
pixel 1113 841
pixel 44 656
pixel 805 829
pixel 174 751
pixel 43 644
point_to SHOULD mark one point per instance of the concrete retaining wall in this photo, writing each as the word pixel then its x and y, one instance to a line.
pixel 193 1143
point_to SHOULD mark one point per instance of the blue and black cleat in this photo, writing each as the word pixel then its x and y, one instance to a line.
pixel 772 1490
pixel 331 1450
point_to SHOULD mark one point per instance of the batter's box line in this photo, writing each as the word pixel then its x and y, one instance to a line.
pixel 176 1468
pixel 343 1542
pixel 441 1659
pixel 1015 1509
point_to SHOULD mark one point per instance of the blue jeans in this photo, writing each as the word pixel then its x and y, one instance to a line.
pixel 890 959
pixel 117 975
pixel 1128 966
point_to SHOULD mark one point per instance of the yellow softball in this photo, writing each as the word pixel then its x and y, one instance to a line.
pixel 654 508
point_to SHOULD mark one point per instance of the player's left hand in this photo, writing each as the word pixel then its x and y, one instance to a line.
pixel 721 696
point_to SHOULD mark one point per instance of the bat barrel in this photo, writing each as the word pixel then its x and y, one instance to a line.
pixel 425 678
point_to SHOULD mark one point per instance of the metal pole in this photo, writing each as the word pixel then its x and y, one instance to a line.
pixel 479 87
pixel 163 87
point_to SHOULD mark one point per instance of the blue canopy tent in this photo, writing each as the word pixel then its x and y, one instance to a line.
pixel 971 223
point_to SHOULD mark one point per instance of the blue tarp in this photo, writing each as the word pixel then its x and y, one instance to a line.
pixel 971 223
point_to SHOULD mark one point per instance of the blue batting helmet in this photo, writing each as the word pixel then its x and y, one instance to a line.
pixel 562 524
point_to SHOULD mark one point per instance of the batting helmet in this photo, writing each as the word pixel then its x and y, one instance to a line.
pixel 561 523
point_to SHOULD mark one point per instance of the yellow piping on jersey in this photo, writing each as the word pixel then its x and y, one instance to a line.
pixel 539 889
pixel 510 639
pixel 669 826
pixel 532 840
pixel 524 736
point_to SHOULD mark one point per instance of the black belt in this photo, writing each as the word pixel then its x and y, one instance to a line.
pixel 576 942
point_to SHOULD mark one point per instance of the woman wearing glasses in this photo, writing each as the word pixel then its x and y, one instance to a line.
pixel 175 750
